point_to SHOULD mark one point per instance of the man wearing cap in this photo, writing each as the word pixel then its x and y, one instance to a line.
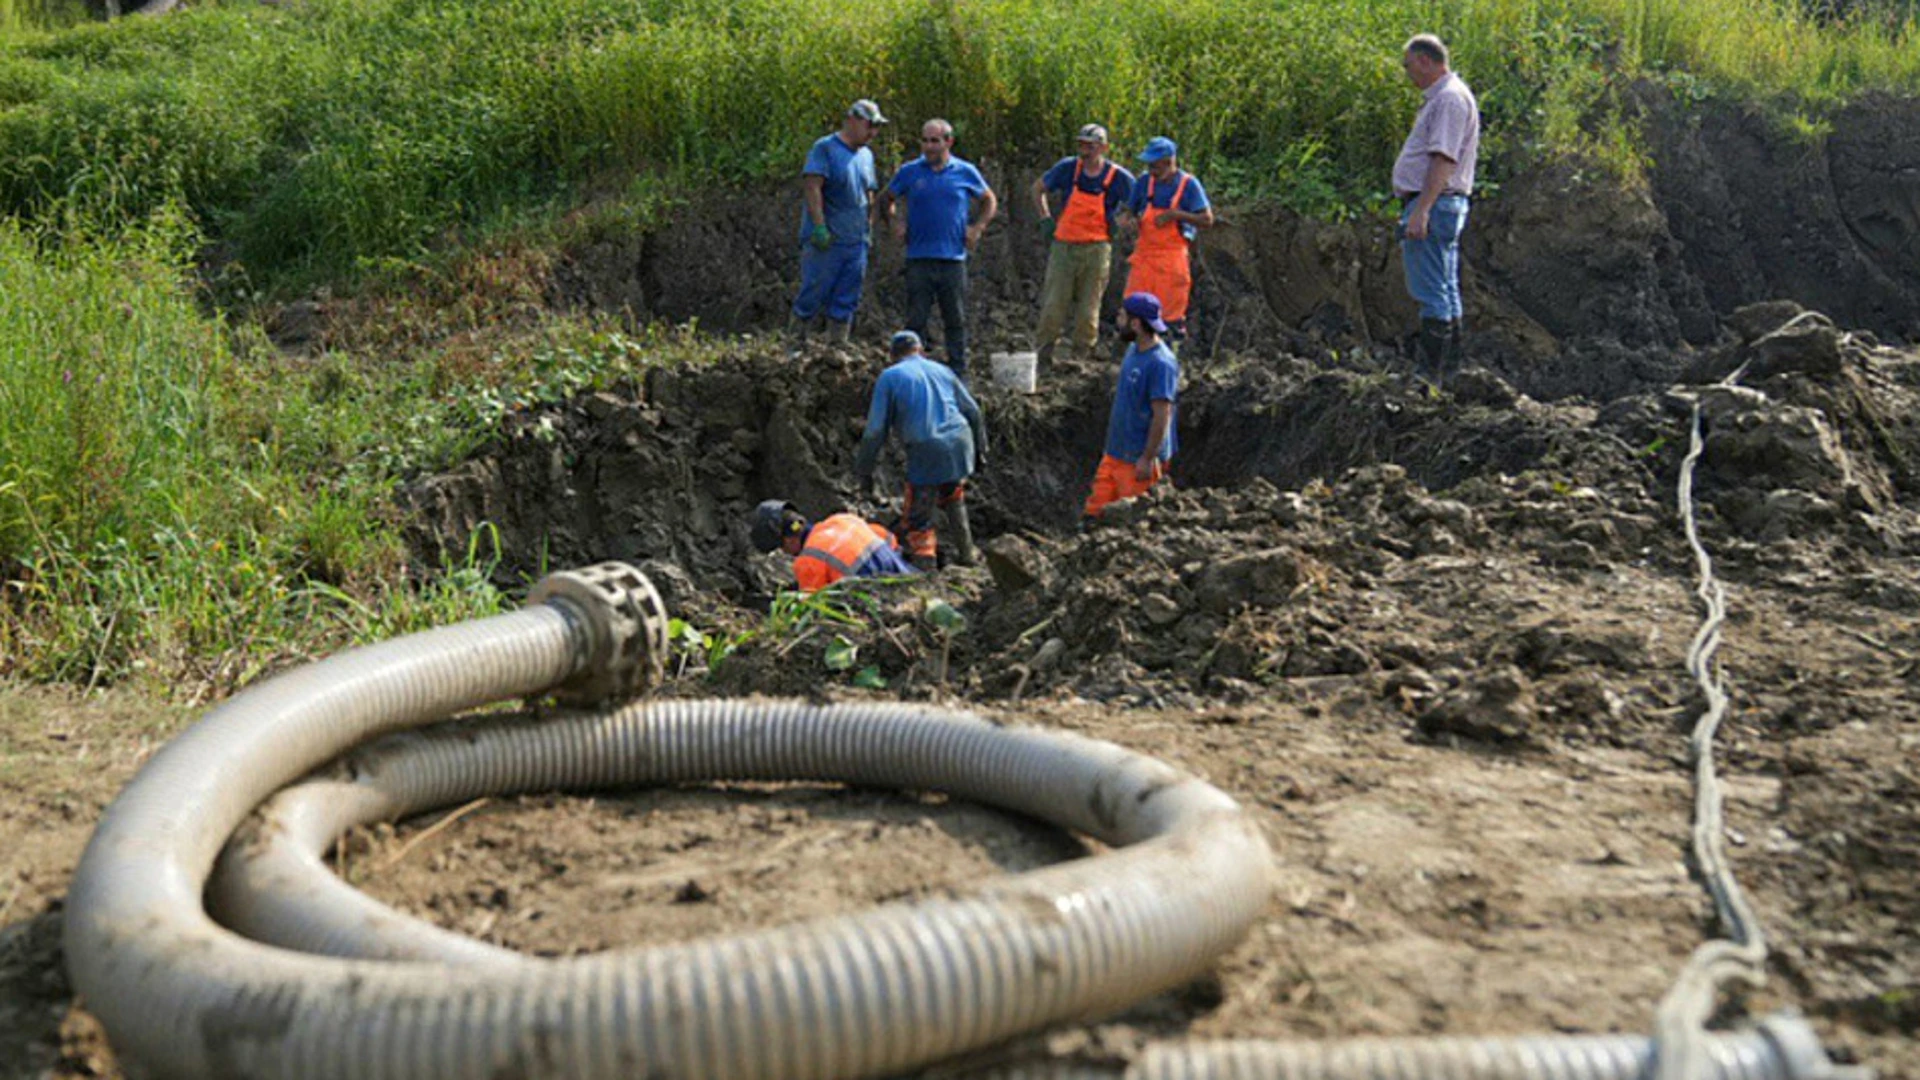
pixel 1092 190
pixel 835 224
pixel 1140 429
pixel 948 207
pixel 1169 206
pixel 841 546
pixel 928 407
pixel 1433 178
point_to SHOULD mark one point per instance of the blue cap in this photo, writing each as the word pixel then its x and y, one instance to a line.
pixel 1159 147
pixel 1146 307
pixel 904 342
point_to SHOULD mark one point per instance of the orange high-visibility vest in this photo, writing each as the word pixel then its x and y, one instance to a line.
pixel 1083 220
pixel 834 548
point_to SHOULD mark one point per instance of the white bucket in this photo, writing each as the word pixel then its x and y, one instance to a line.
pixel 1015 371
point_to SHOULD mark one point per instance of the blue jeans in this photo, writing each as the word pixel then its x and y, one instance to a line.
pixel 1433 264
pixel 945 281
pixel 830 280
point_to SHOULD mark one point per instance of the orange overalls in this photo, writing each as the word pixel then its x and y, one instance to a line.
pixel 1084 219
pixel 836 548
pixel 1160 264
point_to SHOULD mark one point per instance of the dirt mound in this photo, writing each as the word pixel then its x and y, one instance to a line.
pixel 1299 492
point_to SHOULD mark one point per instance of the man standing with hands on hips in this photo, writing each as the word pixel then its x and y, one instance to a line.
pixel 1169 206
pixel 942 193
pixel 1092 190
pixel 835 232
pixel 1433 179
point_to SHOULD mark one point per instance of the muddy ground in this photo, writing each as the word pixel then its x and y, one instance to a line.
pixel 1434 639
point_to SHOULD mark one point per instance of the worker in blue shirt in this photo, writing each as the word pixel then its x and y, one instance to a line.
pixel 948 206
pixel 1141 433
pixel 926 405
pixel 835 224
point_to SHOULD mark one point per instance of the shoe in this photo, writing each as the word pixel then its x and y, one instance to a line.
pixel 796 333
pixel 837 332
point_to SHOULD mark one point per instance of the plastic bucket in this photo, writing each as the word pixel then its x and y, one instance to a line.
pixel 1015 371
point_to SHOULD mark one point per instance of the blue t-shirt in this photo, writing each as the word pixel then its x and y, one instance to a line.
pixel 1160 193
pixel 848 176
pixel 924 403
pixel 939 201
pixel 1059 178
pixel 1145 377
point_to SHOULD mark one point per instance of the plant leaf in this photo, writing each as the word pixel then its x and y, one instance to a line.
pixel 869 678
pixel 946 618
pixel 841 654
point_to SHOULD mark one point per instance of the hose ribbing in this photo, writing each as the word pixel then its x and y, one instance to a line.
pixel 901 985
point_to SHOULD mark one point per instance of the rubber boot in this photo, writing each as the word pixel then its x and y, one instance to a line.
pixel 837 332
pixel 1043 359
pixel 960 530
pixel 1430 362
pixel 1453 358
pixel 796 333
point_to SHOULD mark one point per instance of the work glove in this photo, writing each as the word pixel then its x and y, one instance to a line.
pixel 1046 226
pixel 821 238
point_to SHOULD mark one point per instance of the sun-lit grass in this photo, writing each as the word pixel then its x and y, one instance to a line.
pixel 331 133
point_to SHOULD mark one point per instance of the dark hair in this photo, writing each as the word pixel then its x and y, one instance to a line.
pixel 1429 46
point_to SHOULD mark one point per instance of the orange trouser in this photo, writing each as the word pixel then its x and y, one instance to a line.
pixel 921 501
pixel 1115 481
pixel 1163 267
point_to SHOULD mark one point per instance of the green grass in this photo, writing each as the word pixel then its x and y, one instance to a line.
pixel 180 502
pixel 329 135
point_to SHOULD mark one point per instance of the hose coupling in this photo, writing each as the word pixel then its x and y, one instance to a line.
pixel 625 624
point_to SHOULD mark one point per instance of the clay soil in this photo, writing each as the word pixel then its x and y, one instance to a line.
pixel 1434 641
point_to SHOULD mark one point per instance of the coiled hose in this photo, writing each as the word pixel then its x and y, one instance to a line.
pixel 902 985
pixel 373 994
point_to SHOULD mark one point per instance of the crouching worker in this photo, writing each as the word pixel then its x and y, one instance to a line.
pixel 840 546
pixel 1140 430
pixel 928 407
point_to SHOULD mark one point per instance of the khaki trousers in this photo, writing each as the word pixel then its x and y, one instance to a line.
pixel 1076 280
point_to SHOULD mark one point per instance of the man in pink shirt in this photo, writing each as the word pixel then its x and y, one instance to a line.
pixel 1433 179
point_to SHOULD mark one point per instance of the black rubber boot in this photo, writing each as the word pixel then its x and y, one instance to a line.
pixel 797 333
pixel 837 332
pixel 961 529
pixel 1453 359
pixel 1431 359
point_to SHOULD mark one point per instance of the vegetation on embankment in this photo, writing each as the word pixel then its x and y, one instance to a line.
pixel 327 133
pixel 176 495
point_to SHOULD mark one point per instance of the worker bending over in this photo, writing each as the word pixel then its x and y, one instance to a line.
pixel 841 546
pixel 928 407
